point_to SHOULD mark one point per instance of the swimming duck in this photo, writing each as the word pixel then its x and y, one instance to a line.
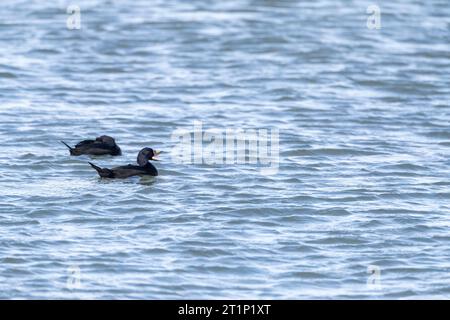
pixel 102 145
pixel 144 166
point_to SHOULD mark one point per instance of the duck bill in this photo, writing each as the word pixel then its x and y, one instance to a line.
pixel 155 155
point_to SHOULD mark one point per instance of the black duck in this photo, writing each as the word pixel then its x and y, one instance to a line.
pixel 144 167
pixel 103 145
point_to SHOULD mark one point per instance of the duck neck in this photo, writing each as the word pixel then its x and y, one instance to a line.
pixel 150 169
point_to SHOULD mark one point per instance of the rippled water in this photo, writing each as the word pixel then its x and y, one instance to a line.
pixel 363 118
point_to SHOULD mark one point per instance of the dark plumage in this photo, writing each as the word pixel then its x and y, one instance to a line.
pixel 102 145
pixel 144 167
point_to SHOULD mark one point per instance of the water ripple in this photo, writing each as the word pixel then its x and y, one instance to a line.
pixel 363 176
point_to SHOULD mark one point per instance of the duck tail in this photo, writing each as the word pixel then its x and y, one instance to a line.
pixel 102 172
pixel 70 148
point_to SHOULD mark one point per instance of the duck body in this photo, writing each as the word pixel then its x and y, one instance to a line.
pixel 123 172
pixel 144 167
pixel 103 145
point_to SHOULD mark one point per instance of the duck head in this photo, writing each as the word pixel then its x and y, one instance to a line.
pixel 106 140
pixel 147 154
